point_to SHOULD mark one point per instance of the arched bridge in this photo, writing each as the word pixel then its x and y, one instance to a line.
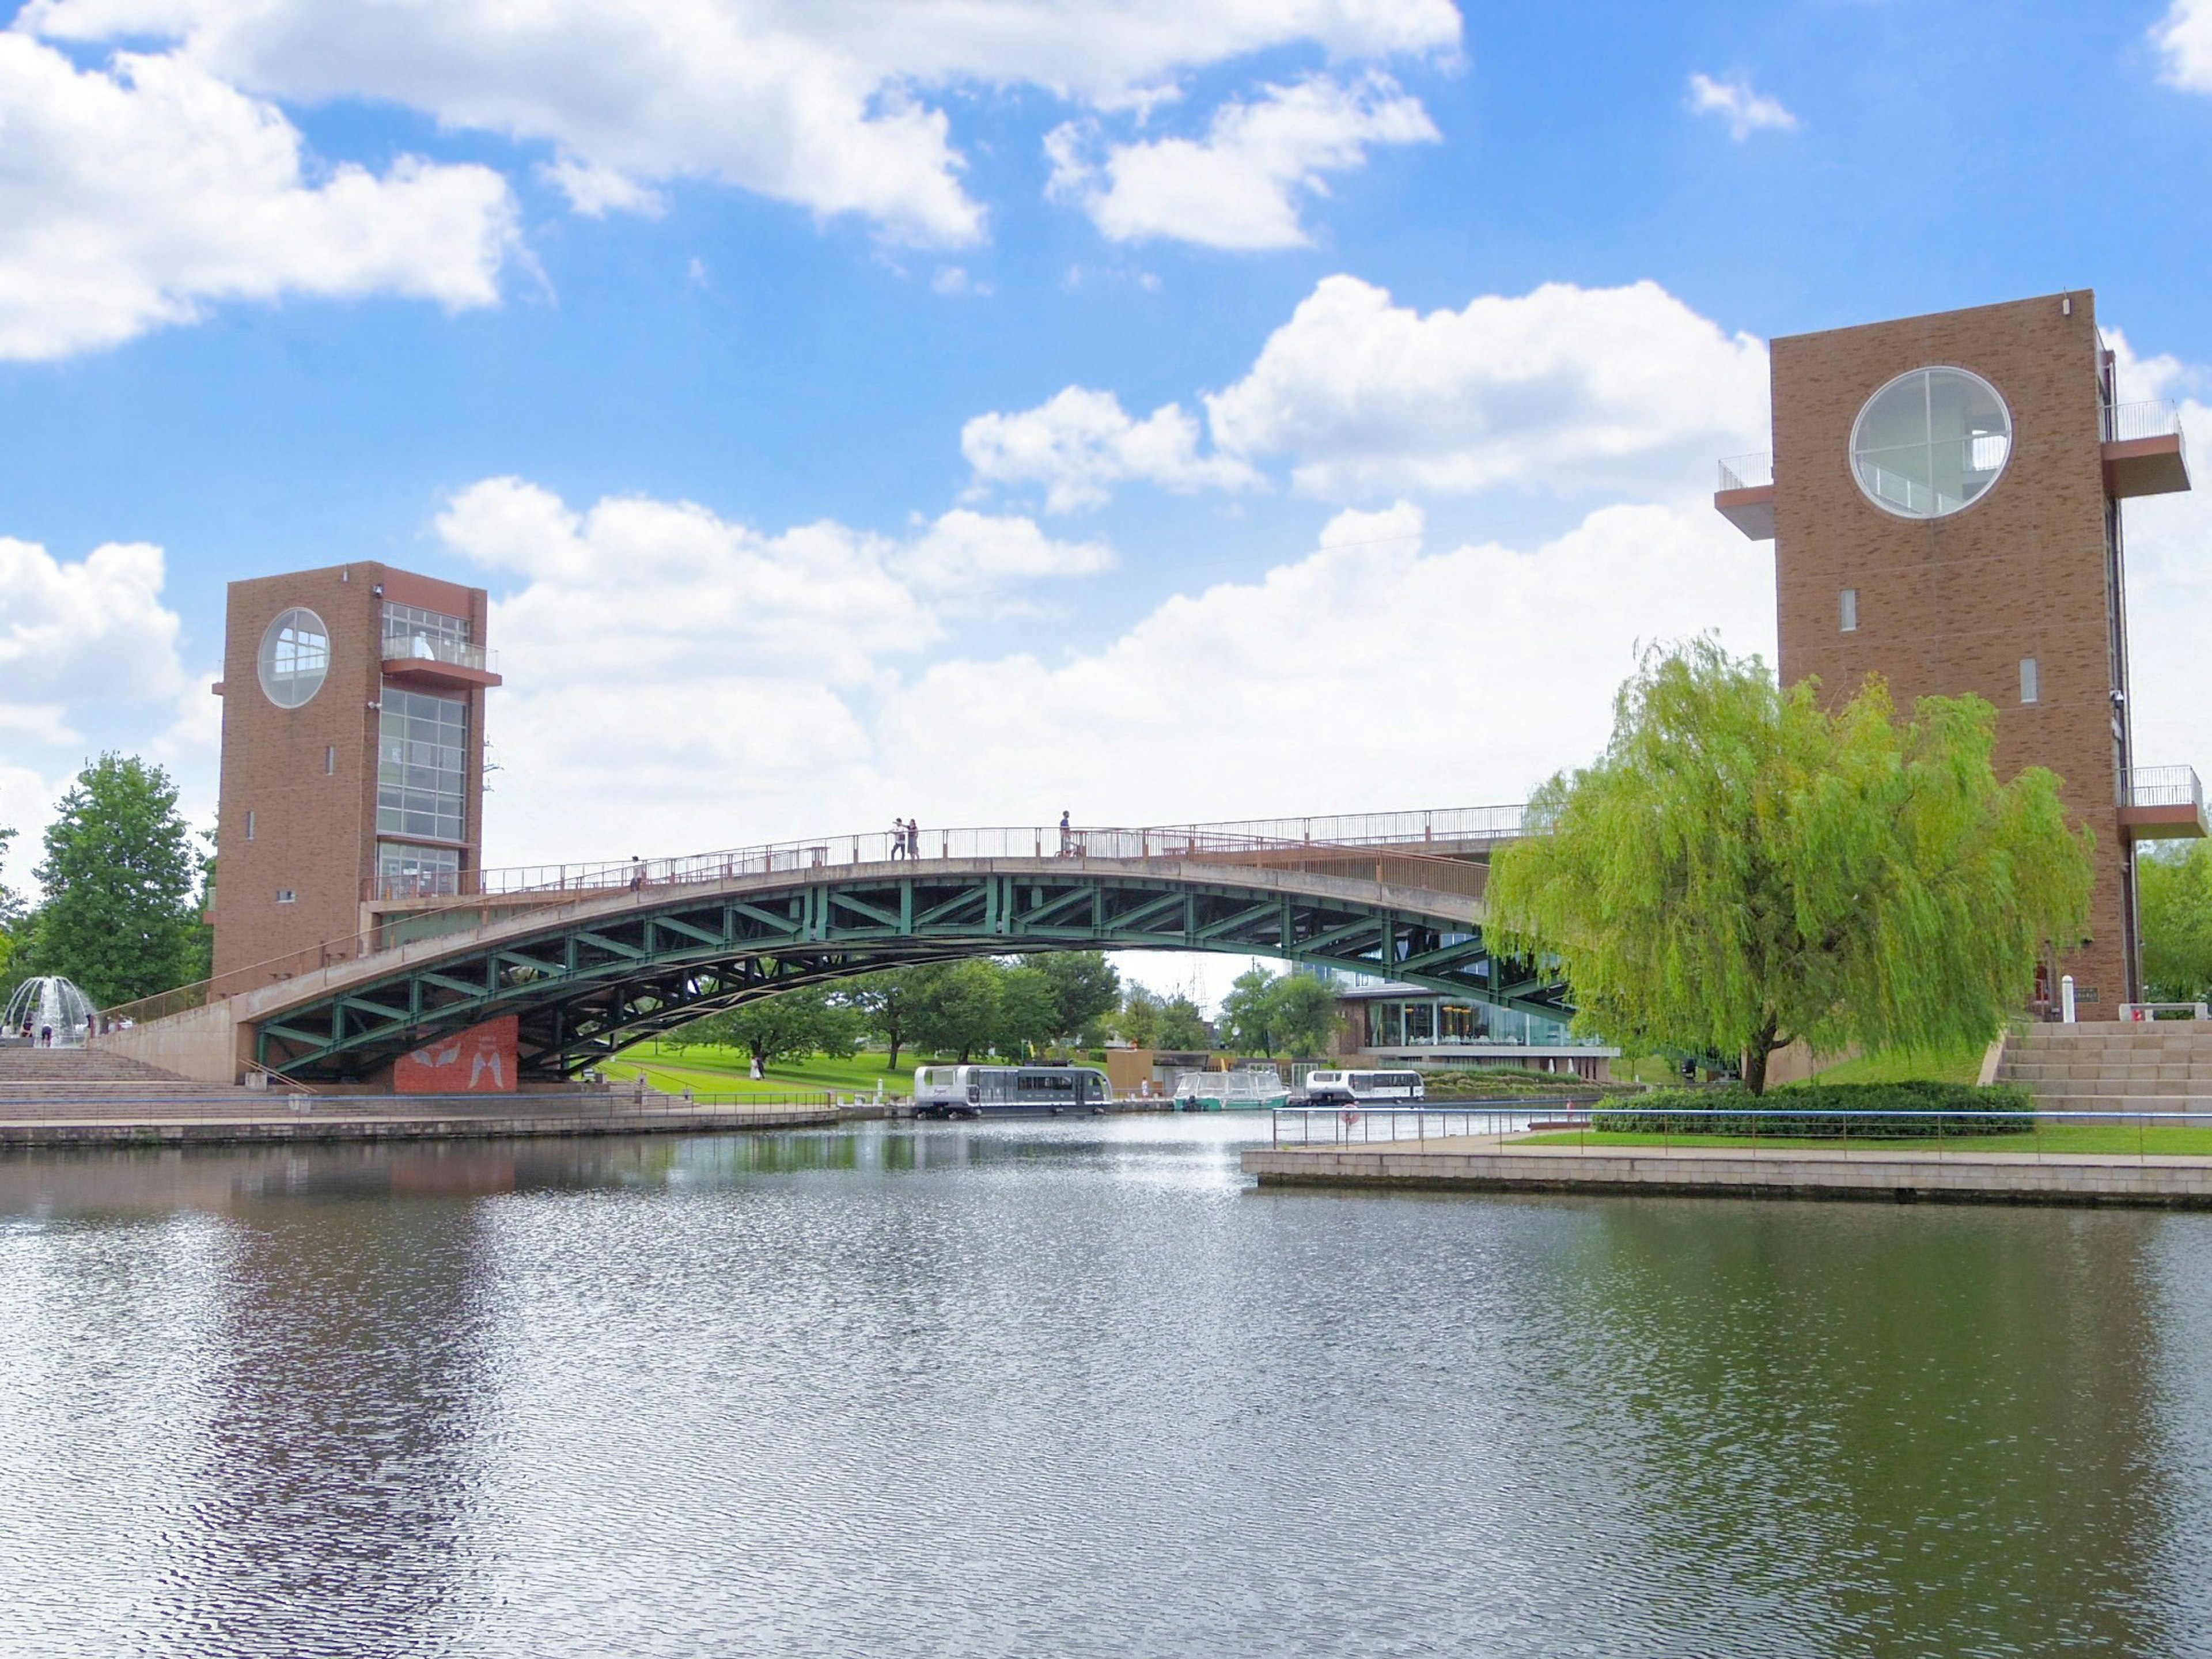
pixel 587 972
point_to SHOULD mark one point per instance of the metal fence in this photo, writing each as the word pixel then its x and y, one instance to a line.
pixel 1587 1126
pixel 2164 786
pixel 2154 418
pixel 1748 472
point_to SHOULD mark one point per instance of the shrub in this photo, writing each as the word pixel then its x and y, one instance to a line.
pixel 1477 1082
pixel 1862 1111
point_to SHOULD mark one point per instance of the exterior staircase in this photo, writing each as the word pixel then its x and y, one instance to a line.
pixel 2114 1066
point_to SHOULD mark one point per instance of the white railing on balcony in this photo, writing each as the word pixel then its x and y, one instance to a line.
pixel 1442 824
pixel 2166 786
pixel 1748 472
pixel 423 648
pixel 2156 417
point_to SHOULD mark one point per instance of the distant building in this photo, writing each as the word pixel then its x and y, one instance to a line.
pixel 352 756
pixel 1389 1024
pixel 1944 502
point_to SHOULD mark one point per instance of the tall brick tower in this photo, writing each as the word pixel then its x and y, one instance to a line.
pixel 1944 501
pixel 352 756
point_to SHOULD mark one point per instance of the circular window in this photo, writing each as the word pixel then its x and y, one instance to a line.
pixel 1930 442
pixel 295 655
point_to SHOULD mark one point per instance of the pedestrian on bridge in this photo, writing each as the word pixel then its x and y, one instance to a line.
pixel 898 838
pixel 1066 834
pixel 913 839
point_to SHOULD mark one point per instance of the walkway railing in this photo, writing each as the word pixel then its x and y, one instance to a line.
pixel 1410 831
pixel 1746 471
pixel 454 895
pixel 2105 1132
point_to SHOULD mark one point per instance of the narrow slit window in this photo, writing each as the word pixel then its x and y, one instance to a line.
pixel 330 760
pixel 1847 610
pixel 287 896
pixel 249 824
pixel 2031 681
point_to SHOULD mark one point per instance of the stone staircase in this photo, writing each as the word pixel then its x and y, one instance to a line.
pixel 2113 1066
pixel 90 1082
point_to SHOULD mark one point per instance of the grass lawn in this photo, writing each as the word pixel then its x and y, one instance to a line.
pixel 1940 1065
pixel 716 1071
pixel 2075 1138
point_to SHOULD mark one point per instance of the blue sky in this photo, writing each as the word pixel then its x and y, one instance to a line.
pixel 789 371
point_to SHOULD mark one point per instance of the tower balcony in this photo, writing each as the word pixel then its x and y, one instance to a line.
pixel 2165 803
pixel 423 660
pixel 1745 495
pixel 2143 451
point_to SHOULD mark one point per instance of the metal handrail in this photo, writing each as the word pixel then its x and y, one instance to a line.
pixel 1748 472
pixel 1359 1125
pixel 2151 417
pixel 2164 786
pixel 403 646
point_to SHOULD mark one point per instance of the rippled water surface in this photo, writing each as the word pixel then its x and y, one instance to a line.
pixel 1070 1389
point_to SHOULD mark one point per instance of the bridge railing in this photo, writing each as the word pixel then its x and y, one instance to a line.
pixel 1406 830
pixel 1382 861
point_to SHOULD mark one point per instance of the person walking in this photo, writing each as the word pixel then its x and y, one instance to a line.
pixel 636 874
pixel 913 839
pixel 1066 834
pixel 898 838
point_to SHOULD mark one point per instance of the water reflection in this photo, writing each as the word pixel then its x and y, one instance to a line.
pixel 1072 1387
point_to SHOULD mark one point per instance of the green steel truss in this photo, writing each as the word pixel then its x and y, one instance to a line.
pixel 584 988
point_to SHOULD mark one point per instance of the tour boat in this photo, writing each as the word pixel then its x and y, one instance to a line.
pixel 1247 1090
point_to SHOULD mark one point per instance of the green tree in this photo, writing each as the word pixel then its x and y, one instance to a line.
pixel 956 1007
pixel 1742 868
pixel 807 1019
pixel 1248 1013
pixel 1137 1023
pixel 885 1001
pixel 122 880
pixel 1181 1025
pixel 1303 1019
pixel 2174 890
pixel 12 916
pixel 1028 1011
pixel 1085 988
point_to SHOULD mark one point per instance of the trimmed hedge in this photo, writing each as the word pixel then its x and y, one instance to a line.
pixel 1869 1111
pixel 1475 1081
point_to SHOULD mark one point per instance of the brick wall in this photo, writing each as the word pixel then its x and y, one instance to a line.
pixel 1950 605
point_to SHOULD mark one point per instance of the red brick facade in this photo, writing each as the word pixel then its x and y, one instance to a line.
pixel 1951 606
pixel 307 776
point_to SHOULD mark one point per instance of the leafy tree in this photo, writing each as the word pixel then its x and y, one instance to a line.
pixel 956 1007
pixel 1085 988
pixel 1138 1021
pixel 1028 1011
pixel 2174 890
pixel 1742 868
pixel 1181 1025
pixel 885 1001
pixel 13 917
pixel 1269 1013
pixel 1248 1013
pixel 1303 1017
pixel 122 914
pixel 807 1019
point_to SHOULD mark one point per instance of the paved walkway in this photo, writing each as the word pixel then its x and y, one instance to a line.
pixel 1508 1163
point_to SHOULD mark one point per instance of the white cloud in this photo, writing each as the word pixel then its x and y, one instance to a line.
pixel 1565 389
pixel 96 631
pixel 2169 580
pixel 596 192
pixel 816 102
pixel 130 197
pixel 2184 35
pixel 1242 185
pixel 1081 443
pixel 1745 111
pixel 1273 678
pixel 678 657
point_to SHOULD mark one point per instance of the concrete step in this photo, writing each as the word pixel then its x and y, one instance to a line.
pixel 2070 1089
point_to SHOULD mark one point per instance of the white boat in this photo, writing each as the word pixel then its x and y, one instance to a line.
pixel 1246 1090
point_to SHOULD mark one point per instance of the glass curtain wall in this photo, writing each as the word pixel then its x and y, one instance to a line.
pixel 1432 1022
pixel 422 755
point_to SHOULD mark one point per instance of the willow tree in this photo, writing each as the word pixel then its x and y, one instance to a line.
pixel 1743 868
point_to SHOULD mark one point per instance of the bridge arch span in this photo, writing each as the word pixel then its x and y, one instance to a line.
pixel 587 977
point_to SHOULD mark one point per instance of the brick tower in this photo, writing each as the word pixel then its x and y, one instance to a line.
pixel 352 756
pixel 1944 501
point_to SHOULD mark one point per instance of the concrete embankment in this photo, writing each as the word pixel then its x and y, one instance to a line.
pixel 403 1119
pixel 1498 1164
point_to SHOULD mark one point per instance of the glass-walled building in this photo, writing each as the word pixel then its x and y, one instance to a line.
pixel 1393 1023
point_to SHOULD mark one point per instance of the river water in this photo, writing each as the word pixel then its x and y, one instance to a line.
pixel 1074 1388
